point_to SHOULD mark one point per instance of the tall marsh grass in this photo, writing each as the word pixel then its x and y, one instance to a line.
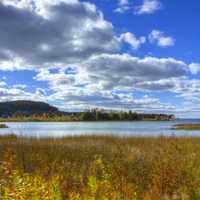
pixel 100 167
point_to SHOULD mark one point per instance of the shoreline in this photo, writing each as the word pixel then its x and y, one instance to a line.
pixel 150 120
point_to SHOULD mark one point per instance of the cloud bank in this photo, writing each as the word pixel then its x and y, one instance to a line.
pixel 78 53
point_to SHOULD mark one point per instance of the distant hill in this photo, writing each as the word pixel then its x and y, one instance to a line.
pixel 40 111
pixel 13 108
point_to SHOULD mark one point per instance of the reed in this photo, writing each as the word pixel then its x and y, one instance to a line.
pixel 100 167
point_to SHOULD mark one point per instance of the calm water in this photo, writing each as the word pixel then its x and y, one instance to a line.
pixel 59 129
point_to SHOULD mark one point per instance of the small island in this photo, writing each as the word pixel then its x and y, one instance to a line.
pixel 3 126
pixel 192 127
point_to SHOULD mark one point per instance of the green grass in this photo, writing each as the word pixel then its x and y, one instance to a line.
pixel 100 167
pixel 187 127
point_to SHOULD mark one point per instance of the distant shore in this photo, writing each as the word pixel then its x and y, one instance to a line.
pixel 32 111
pixel 90 116
pixel 54 120
pixel 3 126
pixel 191 127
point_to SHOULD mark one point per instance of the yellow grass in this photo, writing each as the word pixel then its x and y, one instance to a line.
pixel 100 167
pixel 187 127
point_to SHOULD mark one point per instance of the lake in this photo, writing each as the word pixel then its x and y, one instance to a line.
pixel 60 129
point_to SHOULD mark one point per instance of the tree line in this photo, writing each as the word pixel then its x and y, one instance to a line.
pixel 90 115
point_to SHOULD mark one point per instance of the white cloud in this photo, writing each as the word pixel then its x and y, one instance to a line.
pixel 123 2
pixel 148 7
pixel 52 33
pixel 72 33
pixel 131 39
pixel 195 68
pixel 21 4
pixel 123 6
pixel 2 83
pixel 99 82
pixel 13 94
pixel 55 80
pixel 122 9
pixel 125 70
pixel 158 85
pixel 110 80
pixel 19 86
pixel 159 38
pixel 112 71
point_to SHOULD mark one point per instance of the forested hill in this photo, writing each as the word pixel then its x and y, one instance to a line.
pixel 13 108
pixel 40 111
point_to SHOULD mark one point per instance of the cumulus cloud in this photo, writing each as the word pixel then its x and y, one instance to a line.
pixel 17 92
pixel 194 68
pixel 158 85
pixel 131 39
pixel 12 94
pixel 159 38
pixel 123 2
pixel 110 71
pixel 2 83
pixel 183 87
pixel 77 52
pixel 83 99
pixel 52 33
pixel 126 70
pixel 56 79
pixel 123 6
pixel 19 86
pixel 148 7
pixel 188 87
pixel 109 81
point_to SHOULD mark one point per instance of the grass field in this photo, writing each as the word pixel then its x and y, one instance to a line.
pixel 187 127
pixel 99 167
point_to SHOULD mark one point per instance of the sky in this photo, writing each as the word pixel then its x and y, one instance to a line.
pixel 140 55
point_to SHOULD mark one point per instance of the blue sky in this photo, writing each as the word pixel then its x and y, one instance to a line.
pixel 140 55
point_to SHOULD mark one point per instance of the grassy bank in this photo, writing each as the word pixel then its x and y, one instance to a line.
pixel 187 127
pixel 100 167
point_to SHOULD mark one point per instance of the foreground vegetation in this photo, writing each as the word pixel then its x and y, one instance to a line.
pixel 187 127
pixel 100 167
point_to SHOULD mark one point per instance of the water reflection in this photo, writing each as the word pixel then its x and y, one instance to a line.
pixel 59 129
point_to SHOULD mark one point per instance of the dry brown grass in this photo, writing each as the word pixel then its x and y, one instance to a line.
pixel 108 167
